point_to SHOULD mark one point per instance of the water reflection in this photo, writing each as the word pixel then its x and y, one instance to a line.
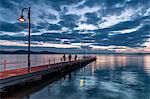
pixel 147 64
pixel 110 77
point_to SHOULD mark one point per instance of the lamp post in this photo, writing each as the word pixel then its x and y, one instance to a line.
pixel 22 19
pixel 84 49
pixel 83 45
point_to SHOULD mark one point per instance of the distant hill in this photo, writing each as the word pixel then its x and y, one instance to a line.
pixel 47 52
pixel 26 52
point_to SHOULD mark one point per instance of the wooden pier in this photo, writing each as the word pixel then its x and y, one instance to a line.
pixel 10 78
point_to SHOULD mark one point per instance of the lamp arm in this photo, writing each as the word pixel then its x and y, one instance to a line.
pixel 23 10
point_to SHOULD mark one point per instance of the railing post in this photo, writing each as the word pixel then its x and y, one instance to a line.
pixel 49 61
pixel 44 60
pixel 5 64
pixel 61 59
pixel 54 60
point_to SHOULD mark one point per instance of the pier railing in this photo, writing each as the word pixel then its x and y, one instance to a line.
pixel 7 65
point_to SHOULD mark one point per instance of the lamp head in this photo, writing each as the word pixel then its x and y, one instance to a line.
pixel 22 19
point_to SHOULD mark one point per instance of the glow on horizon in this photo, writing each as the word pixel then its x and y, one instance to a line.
pixel 117 49
pixel 39 44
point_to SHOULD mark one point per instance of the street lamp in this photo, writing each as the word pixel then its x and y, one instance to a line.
pixel 22 19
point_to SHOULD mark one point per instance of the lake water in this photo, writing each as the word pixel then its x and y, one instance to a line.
pixel 110 77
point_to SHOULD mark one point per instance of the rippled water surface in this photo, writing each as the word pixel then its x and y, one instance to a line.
pixel 110 77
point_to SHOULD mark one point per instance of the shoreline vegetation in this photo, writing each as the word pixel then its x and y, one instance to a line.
pixel 47 52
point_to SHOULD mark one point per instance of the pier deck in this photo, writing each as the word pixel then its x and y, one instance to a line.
pixel 21 75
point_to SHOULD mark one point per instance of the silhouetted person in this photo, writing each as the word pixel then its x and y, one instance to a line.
pixel 64 57
pixel 61 59
pixel 69 57
pixel 75 58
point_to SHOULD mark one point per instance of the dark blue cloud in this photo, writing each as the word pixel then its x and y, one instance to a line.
pixel 125 25
pixel 13 38
pixel 42 25
pixel 9 27
pixel 92 18
pixel 56 4
pixel 45 15
pixel 70 25
pixel 54 27
pixel 13 27
pixel 69 21
pixel 35 31
pixel 51 16
pixel 70 17
pixel 133 39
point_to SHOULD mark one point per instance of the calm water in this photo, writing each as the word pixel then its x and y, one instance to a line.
pixel 110 77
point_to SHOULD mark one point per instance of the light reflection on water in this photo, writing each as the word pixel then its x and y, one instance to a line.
pixel 110 77
pixel 147 64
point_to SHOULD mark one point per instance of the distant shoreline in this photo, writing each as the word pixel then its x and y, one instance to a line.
pixel 47 52
pixel 26 52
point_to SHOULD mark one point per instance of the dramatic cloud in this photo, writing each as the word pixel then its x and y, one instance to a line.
pixel 97 23
pixel 8 27
pixel 54 27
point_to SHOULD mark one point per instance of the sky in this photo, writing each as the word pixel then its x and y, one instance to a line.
pixel 71 25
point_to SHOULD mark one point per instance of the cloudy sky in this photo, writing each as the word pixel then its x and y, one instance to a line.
pixel 107 25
